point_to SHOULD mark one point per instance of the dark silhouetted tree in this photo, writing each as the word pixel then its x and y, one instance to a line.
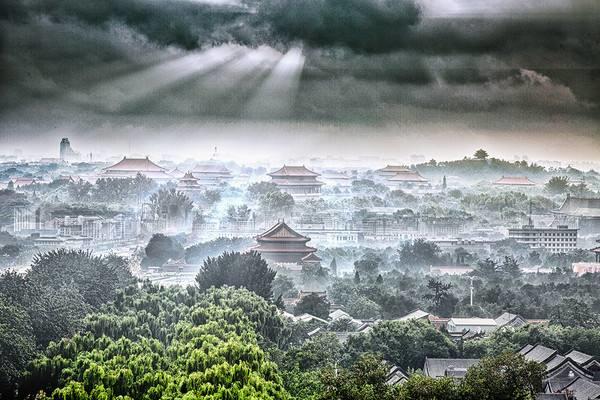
pixel 248 270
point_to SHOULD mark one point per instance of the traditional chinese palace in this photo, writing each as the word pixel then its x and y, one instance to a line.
pixel 297 180
pixel 281 244
pixel 130 167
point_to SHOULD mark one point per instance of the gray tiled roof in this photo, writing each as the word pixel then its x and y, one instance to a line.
pixel 396 375
pixel 554 362
pixel 584 390
pixel 579 357
pixel 439 367
pixel 525 349
pixel 539 353
pixel 551 396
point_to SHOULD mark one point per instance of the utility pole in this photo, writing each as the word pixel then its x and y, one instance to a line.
pixel 471 288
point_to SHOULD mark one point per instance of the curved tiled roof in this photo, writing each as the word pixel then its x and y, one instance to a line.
pixel 281 231
pixel 289 170
pixel 393 168
pixel 135 164
pixel 580 206
pixel 439 367
pixel 579 357
pixel 539 353
pixel 407 176
pixel 211 167
pixel 311 257
pixel 515 181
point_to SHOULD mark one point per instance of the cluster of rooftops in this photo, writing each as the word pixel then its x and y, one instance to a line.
pixel 573 375
pixel 286 175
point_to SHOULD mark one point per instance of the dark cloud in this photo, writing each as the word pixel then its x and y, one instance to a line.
pixel 183 23
pixel 365 25
pixel 366 60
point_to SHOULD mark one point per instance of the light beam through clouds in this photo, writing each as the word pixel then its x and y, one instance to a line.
pixel 275 97
pixel 116 94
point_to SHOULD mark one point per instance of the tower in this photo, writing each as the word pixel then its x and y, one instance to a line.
pixel 66 152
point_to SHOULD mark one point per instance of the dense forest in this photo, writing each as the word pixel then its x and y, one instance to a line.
pixel 78 326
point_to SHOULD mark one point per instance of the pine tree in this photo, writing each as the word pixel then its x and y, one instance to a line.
pixel 333 267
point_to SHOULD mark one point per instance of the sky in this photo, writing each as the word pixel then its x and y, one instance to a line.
pixel 294 79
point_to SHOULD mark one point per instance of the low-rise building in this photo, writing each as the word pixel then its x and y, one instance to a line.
pixel 561 239
pixel 448 367
pixel 475 325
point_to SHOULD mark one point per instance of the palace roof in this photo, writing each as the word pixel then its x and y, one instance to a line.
pixel 211 167
pixel 188 180
pixel 135 164
pixel 288 170
pixel 311 257
pixel 291 182
pixel 515 181
pixel 176 173
pixel 580 207
pixel 281 232
pixel 407 176
pixel 393 168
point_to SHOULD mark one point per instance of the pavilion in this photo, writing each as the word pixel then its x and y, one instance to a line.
pixel 189 184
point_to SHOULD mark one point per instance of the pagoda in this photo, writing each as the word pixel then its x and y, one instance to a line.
pixel 281 244
pixel 189 183
pixel 297 180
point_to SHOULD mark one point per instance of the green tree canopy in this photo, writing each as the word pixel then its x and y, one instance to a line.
pixel 481 154
pixel 313 304
pixel 162 248
pixel 247 270
pixel 505 377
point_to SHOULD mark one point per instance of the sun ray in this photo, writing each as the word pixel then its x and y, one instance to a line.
pixel 117 94
pixel 274 99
